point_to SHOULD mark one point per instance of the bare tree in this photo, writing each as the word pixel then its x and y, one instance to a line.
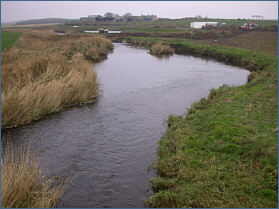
pixel 128 14
pixel 108 14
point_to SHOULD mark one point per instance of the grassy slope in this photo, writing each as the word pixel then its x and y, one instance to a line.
pixel 8 39
pixel 224 152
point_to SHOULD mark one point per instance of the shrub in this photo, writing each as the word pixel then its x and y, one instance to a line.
pixel 160 49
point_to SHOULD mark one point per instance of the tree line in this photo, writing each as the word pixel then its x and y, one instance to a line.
pixel 44 21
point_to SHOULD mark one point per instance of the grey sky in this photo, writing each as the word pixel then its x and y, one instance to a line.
pixel 23 10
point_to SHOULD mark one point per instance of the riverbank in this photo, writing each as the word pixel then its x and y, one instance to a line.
pixel 224 152
pixel 43 73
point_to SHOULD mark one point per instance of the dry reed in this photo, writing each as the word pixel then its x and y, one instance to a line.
pixel 21 183
pixel 160 49
pixel 45 72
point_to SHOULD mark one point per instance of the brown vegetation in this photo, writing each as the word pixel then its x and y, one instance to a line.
pixel 45 72
pixel 160 49
pixel 21 183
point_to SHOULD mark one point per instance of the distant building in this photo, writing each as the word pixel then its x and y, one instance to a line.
pixel 108 19
pixel 83 19
pixel 146 18
pixel 130 18
pixel 202 24
pixel 95 18
pixel 119 19
pixel 190 18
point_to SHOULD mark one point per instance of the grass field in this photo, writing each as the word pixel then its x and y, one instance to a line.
pixel 8 39
pixel 260 41
pixel 187 22
pixel 156 26
pixel 159 30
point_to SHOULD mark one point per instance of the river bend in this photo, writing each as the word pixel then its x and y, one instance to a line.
pixel 105 147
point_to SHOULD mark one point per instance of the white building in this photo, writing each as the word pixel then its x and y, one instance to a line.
pixel 202 24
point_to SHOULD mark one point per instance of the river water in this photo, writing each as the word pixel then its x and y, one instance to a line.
pixel 105 147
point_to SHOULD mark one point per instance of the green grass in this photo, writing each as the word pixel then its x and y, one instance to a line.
pixel 165 26
pixel 160 30
pixel 8 39
pixel 224 151
pixel 245 58
pixel 187 22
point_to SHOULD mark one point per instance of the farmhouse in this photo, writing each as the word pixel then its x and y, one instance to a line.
pixel 95 18
pixel 146 18
pixel 119 19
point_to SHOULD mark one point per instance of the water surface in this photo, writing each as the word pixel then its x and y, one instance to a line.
pixel 105 147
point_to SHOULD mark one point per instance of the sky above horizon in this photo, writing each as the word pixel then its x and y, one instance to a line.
pixel 25 10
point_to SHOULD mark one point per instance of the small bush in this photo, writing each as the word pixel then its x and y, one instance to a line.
pixel 160 49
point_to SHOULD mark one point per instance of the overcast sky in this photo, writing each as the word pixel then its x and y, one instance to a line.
pixel 24 10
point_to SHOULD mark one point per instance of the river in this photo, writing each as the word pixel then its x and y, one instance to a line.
pixel 105 147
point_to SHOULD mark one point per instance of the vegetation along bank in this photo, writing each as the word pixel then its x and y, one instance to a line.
pixel 224 151
pixel 41 73
pixel 22 183
pixel 44 72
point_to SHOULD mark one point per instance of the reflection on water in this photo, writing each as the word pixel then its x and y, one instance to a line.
pixel 105 147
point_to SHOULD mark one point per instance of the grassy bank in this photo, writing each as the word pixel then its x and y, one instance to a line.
pixel 224 151
pixel 22 185
pixel 251 60
pixel 8 39
pixel 43 73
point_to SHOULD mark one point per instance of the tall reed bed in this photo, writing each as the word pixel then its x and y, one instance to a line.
pixel 43 72
pixel 21 183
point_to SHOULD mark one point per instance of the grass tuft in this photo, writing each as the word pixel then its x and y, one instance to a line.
pixel 22 185
pixel 160 49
